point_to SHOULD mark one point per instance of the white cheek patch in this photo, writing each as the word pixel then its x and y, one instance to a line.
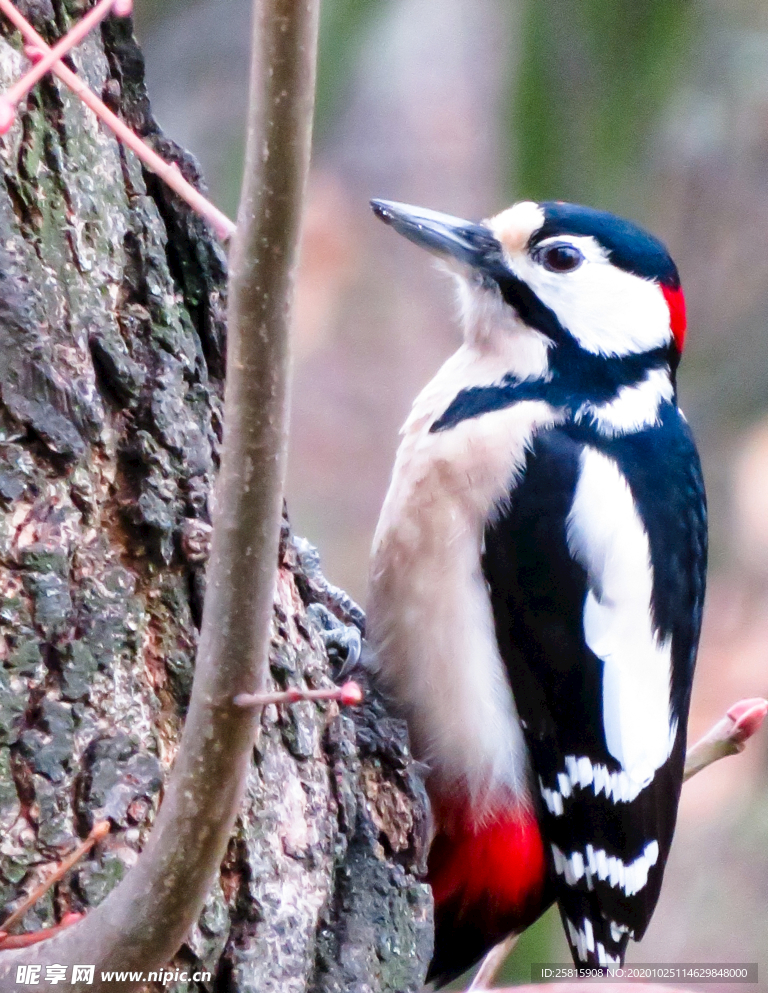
pixel 605 534
pixel 608 311
pixel 596 865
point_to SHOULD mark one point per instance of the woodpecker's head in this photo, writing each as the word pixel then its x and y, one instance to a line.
pixel 589 283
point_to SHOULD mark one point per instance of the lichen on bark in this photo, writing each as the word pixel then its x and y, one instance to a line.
pixel 112 336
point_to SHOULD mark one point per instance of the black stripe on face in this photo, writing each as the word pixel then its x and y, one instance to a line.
pixel 517 294
pixel 629 247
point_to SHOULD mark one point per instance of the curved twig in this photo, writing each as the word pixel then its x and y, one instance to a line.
pixel 728 737
pixel 492 963
pixel 98 832
pixel 142 922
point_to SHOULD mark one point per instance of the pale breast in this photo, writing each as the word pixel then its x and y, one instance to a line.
pixel 429 614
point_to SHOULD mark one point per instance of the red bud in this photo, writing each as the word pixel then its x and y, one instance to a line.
pixel 351 694
pixel 33 53
pixel 747 716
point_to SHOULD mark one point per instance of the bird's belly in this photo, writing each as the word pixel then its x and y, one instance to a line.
pixel 437 656
pixel 430 621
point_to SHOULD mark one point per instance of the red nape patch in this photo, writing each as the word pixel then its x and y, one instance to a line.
pixel 499 863
pixel 677 322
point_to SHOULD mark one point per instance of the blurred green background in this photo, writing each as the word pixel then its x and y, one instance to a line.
pixel 655 109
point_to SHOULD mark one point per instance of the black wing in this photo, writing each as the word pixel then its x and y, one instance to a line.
pixel 608 837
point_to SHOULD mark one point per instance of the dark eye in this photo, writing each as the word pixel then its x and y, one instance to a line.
pixel 560 258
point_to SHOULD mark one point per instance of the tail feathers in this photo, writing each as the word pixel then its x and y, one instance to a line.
pixel 489 881
pixel 594 940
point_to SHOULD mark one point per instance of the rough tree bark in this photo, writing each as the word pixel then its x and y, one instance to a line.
pixel 111 361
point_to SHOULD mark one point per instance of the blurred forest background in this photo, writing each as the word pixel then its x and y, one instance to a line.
pixel 655 109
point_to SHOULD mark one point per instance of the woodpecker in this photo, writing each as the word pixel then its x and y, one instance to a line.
pixel 537 578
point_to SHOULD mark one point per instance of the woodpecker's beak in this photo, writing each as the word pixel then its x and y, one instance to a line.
pixel 470 243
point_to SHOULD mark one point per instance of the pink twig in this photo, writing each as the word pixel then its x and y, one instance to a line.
pixel 33 937
pixel 728 736
pixel 99 831
pixel 19 90
pixel 167 171
pixel 350 694
pixel 492 963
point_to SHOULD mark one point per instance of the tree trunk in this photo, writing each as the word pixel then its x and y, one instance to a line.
pixel 111 361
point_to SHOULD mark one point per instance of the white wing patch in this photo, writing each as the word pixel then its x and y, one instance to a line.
pixel 596 864
pixel 606 535
pixel 582 773
pixel 583 941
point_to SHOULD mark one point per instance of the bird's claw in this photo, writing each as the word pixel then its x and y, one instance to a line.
pixel 333 597
pixel 343 642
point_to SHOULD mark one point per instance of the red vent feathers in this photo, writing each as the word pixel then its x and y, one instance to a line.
pixel 500 863
pixel 676 304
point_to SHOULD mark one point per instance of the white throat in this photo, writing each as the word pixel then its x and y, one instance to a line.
pixel 494 329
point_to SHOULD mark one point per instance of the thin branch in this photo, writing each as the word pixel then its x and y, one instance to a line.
pixel 167 171
pixel 99 831
pixel 33 937
pixel 84 26
pixel 349 695
pixel 144 920
pixel 728 737
pixel 492 963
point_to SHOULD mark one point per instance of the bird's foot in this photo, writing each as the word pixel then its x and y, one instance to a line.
pixel 334 599
pixel 343 642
